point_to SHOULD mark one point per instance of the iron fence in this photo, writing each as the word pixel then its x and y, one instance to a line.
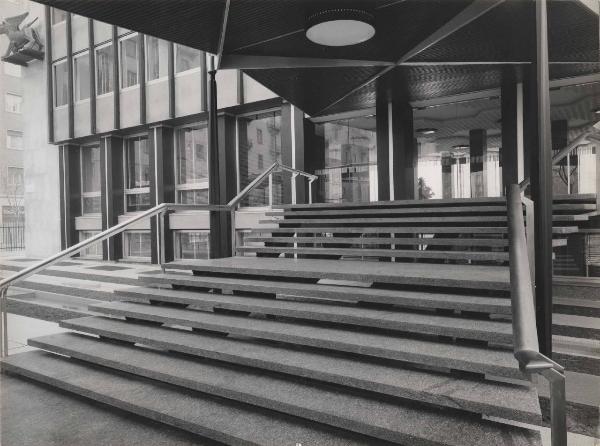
pixel 12 237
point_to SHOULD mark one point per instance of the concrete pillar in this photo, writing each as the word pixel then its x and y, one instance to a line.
pixel 292 152
pixel 70 193
pixel 478 150
pixel 509 153
pixel 447 161
pixel 112 193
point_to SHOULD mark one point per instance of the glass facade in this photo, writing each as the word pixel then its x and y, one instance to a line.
pixel 348 151
pixel 157 55
pixel 137 244
pixel 128 56
pixel 90 180
pixel 94 250
pixel 61 84
pixel 259 147
pixel 192 165
pixel 137 174
pixel 58 16
pixel 186 58
pixel 81 77
pixel 191 245
pixel 104 69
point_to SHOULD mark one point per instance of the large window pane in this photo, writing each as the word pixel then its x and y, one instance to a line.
pixel 186 58
pixel 12 103
pixel 61 84
pixel 192 155
pixel 192 196
pixel 137 244
pixel 260 146
pixel 157 55
pixel 349 164
pixel 94 250
pixel 104 70
pixel 129 61
pixel 191 245
pixel 14 139
pixel 90 180
pixel 137 174
pixel 58 16
pixel 81 74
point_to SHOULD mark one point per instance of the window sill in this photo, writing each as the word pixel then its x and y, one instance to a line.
pixel 82 101
pixel 130 88
pixel 187 72
pixel 157 81
pixel 104 95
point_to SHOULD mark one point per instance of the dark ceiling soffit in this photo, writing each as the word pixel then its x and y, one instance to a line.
pixel 244 62
pixel 463 18
pixel 222 35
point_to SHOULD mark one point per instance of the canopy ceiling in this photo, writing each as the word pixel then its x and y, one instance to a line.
pixel 438 47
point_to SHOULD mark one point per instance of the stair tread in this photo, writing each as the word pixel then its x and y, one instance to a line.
pixel 429 241
pixel 236 423
pixel 399 203
pixel 576 321
pixel 397 220
pixel 371 252
pixel 352 294
pixel 358 372
pixel 271 391
pixel 406 230
pixel 498 331
pixel 429 352
pixel 398 210
pixel 466 276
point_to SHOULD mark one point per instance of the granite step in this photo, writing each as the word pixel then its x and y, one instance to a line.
pixel 411 322
pixel 420 210
pixel 577 354
pixel 482 277
pixel 385 253
pixel 365 293
pixel 577 307
pixel 500 219
pixel 494 398
pixel 429 352
pixel 573 207
pixel 241 424
pixel 576 326
pixel 577 287
pixel 221 420
pixel 401 203
pixel 557 230
pixel 399 241
pixel 49 306
pixel 337 406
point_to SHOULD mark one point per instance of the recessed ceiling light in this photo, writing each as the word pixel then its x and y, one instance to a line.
pixel 340 27
pixel 426 131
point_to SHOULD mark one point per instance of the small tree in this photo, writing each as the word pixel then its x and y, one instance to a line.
pixel 14 195
pixel 425 192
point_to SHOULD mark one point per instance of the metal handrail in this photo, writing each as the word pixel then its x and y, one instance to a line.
pixel 525 339
pixel 159 211
pixel 579 141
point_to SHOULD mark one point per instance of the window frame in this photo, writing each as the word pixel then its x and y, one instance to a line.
pixel 54 79
pixel 89 194
pixel 98 246
pixel 135 190
pixel 10 147
pixel 126 254
pixel 79 55
pixel 121 39
pixel 6 95
pixel 146 59
pixel 177 242
pixel 97 48
pixel 62 22
pixel 8 177
pixel 202 185
pixel 186 72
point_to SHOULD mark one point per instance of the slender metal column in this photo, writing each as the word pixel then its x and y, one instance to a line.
pixel 542 187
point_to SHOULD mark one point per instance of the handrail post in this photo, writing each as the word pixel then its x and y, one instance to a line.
pixel 162 234
pixel 310 196
pixel 558 414
pixel 4 322
pixel 271 189
pixel 233 232
pixel 293 188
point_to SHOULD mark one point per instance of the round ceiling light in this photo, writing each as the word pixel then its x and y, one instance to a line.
pixel 459 147
pixel 340 27
pixel 426 131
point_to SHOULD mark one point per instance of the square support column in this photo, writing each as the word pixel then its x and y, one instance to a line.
pixel 292 153
pixel 70 193
pixel 478 151
pixel 112 193
pixel 447 161
pixel 509 153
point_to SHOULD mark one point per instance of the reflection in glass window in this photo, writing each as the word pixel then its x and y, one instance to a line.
pixel 137 174
pixel 81 77
pixel 192 165
pixel 255 156
pixel 186 58
pixel 90 180
pixel 61 84
pixel 94 250
pixel 58 16
pixel 157 55
pixel 137 244
pixel 104 70
pixel 128 54
pixel 349 165
pixel 191 245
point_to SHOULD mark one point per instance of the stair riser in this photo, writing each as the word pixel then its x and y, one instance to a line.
pixel 576 332
pixel 579 292
pixel 463 210
pixel 384 241
pixel 346 295
pixel 323 344
pixel 578 363
pixel 339 319
pixel 577 310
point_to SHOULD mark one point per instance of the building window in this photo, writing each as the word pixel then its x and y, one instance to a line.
pixel 254 155
pixel 61 84
pixel 186 58
pixel 128 53
pixel 137 174
pixel 191 245
pixel 14 139
pixel 157 55
pixel 94 250
pixel 137 245
pixel 58 16
pixel 90 180
pixel 14 180
pixel 104 69
pixel 13 215
pixel 259 139
pixel 11 69
pixel 12 103
pixel 192 165
pixel 81 76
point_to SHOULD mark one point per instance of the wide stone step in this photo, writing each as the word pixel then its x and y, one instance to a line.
pixel 308 399
pixel 412 322
pixel 573 207
pixel 221 420
pixel 405 298
pixel 512 401
pixel 479 359
pixel 576 326
pixel 557 230
pixel 401 203
pixel 385 253
pixel 386 241
pixel 420 210
pixel 499 219
pixel 240 424
pixel 570 217
pixel 402 273
pixel 577 307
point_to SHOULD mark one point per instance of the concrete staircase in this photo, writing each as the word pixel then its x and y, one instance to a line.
pixel 316 350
